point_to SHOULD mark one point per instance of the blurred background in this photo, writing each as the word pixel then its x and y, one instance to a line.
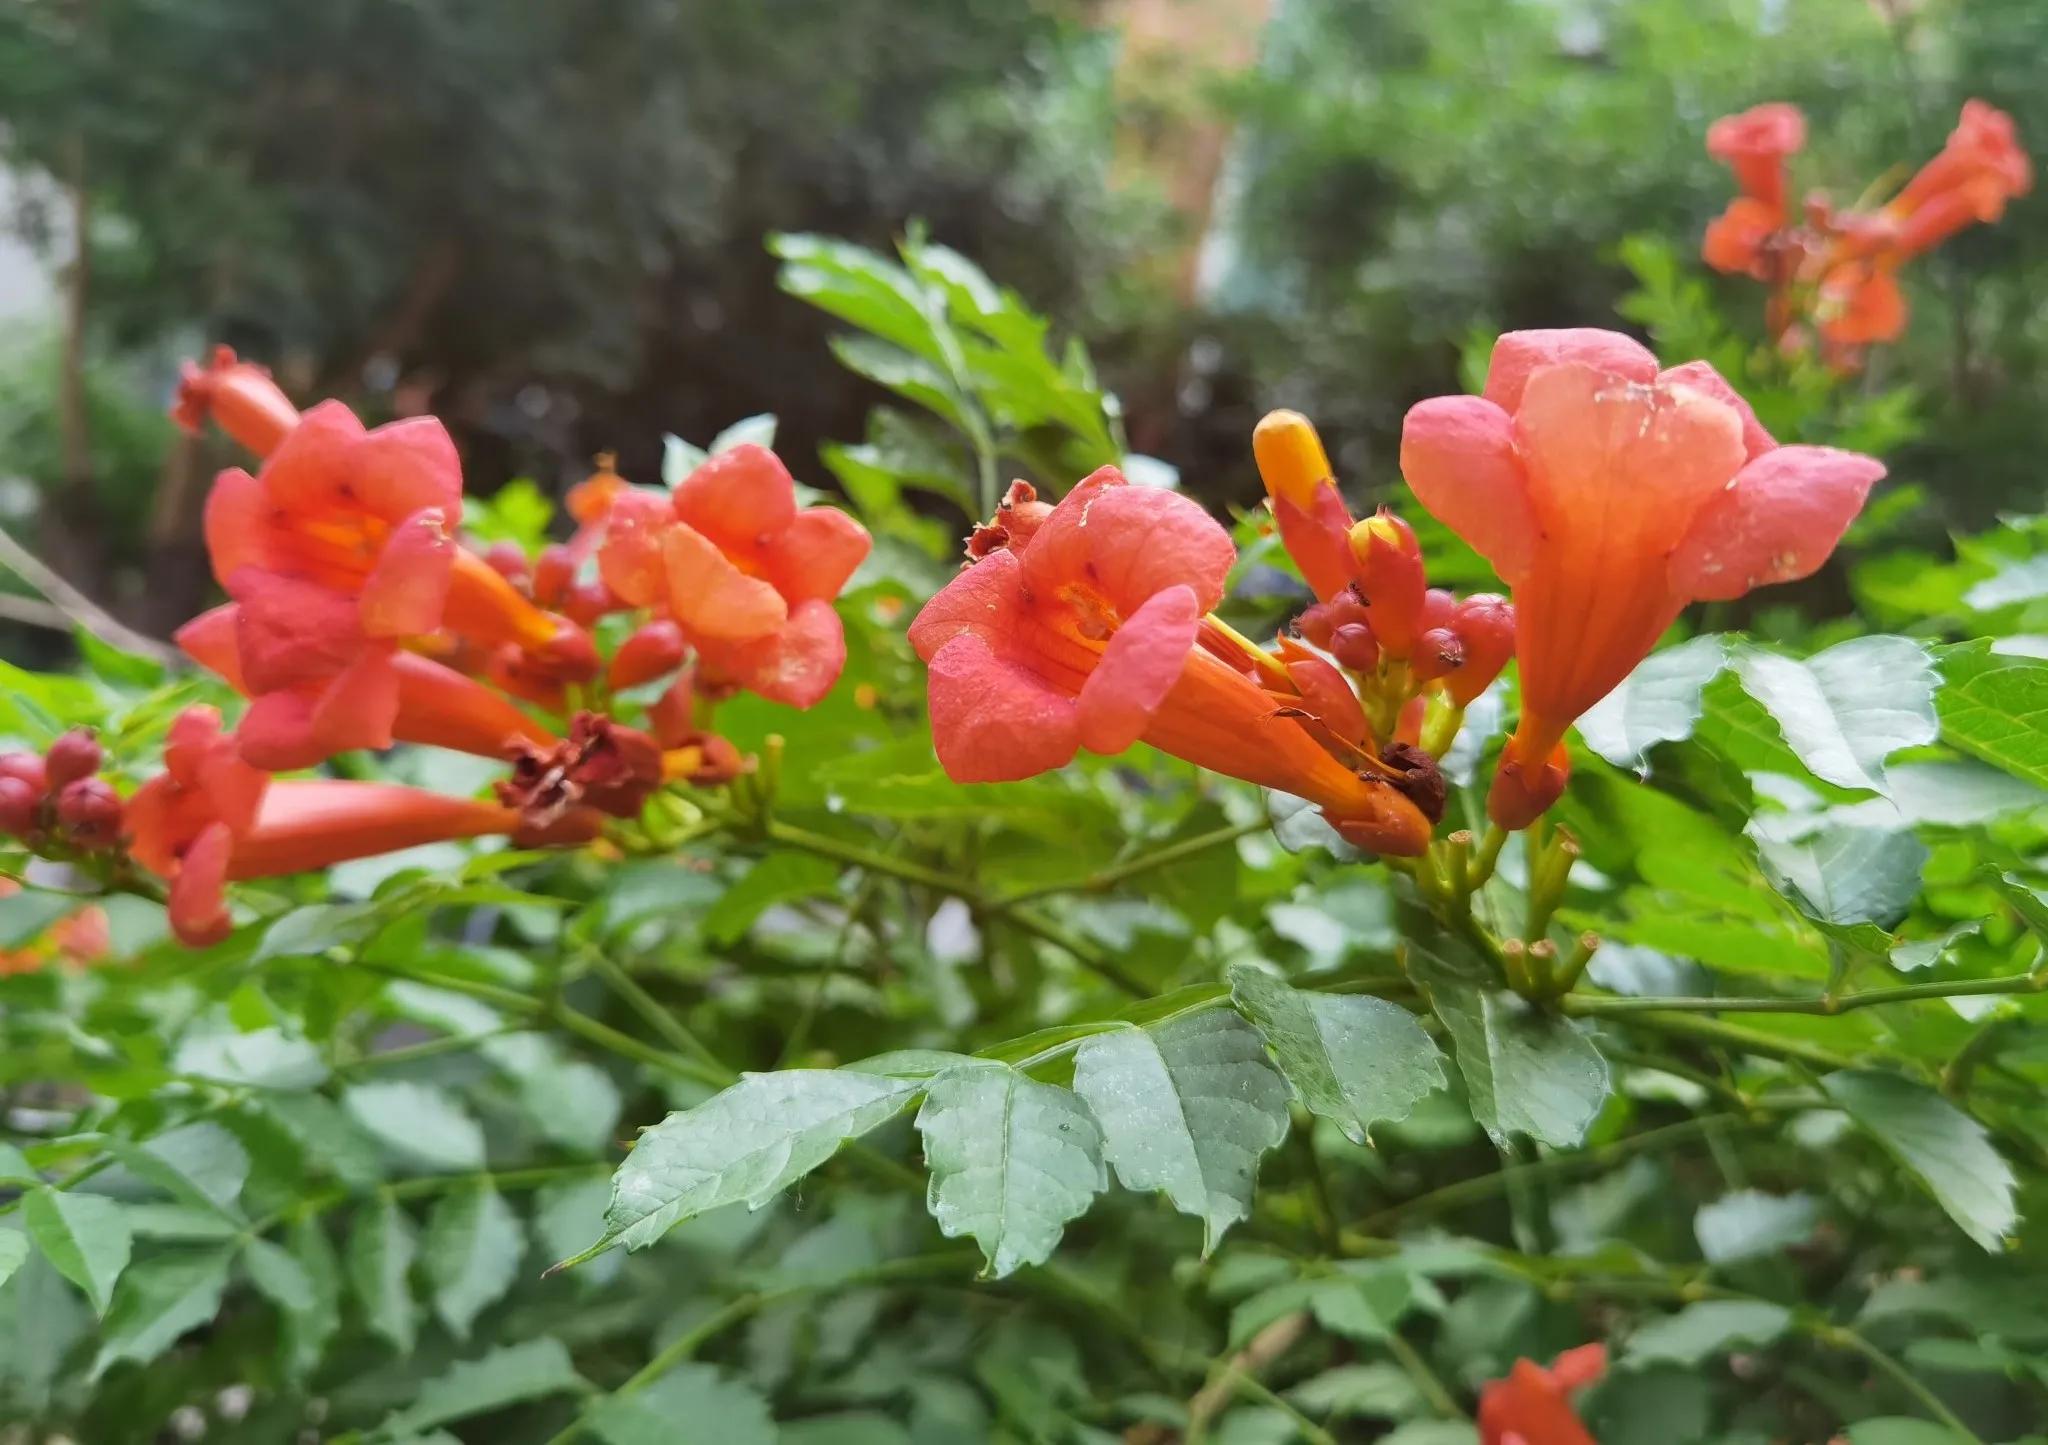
pixel 548 223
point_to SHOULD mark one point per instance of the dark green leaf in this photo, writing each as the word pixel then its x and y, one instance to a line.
pixel 381 1249
pixel 1945 1149
pixel 84 1235
pixel 418 1124
pixel 778 878
pixel 717 1408
pixel 157 1301
pixel 471 1252
pixel 509 1375
pixel 1707 1330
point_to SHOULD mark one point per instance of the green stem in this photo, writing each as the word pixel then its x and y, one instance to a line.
pixel 1904 1378
pixel 1428 1383
pixel 1103 879
pixel 1679 1024
pixel 662 1020
pixel 1825 1004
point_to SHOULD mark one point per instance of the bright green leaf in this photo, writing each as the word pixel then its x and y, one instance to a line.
pixel 1903 1430
pixel 1706 1330
pixel 85 1236
pixel 1353 1058
pixel 1945 1149
pixel 1846 875
pixel 1011 1159
pixel 1186 1107
pixel 1658 702
pixel 1845 710
pixel 1994 706
pixel 419 1124
pixel 471 1251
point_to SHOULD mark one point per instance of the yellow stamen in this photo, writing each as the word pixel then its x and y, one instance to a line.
pixel 1292 462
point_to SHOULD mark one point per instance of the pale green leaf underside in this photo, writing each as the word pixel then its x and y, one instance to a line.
pixel 1948 1151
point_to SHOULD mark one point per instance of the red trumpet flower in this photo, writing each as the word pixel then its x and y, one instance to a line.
pixel 1978 171
pixel 437 706
pixel 1608 495
pixel 1533 1406
pixel 1755 145
pixel 748 575
pixel 248 405
pixel 1086 637
pixel 182 824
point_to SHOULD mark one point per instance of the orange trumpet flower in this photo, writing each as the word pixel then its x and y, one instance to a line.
pixel 1533 1406
pixel 1086 636
pixel 249 406
pixel 1609 495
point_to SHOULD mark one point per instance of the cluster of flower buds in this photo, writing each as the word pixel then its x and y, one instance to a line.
pixel 357 618
pixel 1403 643
pixel 54 800
pixel 1837 267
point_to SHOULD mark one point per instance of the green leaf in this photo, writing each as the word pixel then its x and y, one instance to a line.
pixel 1749 1223
pixel 1011 1159
pixel 509 1375
pixel 1903 1430
pixel 1352 1058
pixel 198 1164
pixel 757 430
pixel 1657 703
pixel 158 1300
pixel 13 1251
pixel 307 1331
pixel 1846 875
pixel 567 1215
pixel 278 1276
pixel 1708 1328
pixel 84 1235
pixel 41 1318
pixel 1945 1149
pixel 1526 1071
pixel 1845 710
pixel 778 878
pixel 717 1408
pixel 420 1125
pixel 573 1102
pixel 264 1059
pixel 1432 1432
pixel 910 377
pixel 381 1249
pixel 1186 1107
pixel 2022 581
pixel 472 1251
pixel 1995 707
pixel 2027 901
pixel 326 1137
pixel 1376 1391
pixel 747 1143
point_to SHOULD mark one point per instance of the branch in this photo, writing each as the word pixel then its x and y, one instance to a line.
pixel 1104 879
pixel 81 609
pixel 1824 1004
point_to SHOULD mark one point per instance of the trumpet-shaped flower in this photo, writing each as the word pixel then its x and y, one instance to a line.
pixel 1533 1405
pixel 249 406
pixel 1087 637
pixel 748 575
pixel 182 823
pixel 1755 145
pixel 1980 169
pixel 1609 495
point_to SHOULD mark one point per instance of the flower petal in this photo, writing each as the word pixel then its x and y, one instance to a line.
pixel 198 896
pixel 311 468
pixel 237 517
pixel 407 591
pixel 741 497
pixel 289 631
pixel 1318 539
pixel 1128 543
pixel 1519 353
pixel 1139 667
pixel 993 722
pixel 405 466
pixel 1701 376
pixel 1618 469
pixel 796 667
pixel 276 734
pixel 985 599
pixel 359 707
pixel 209 640
pixel 630 559
pixel 816 553
pixel 1458 454
pixel 710 596
pixel 1777 523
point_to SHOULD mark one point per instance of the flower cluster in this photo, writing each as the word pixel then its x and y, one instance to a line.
pixel 357 619
pixel 1606 491
pixel 1838 267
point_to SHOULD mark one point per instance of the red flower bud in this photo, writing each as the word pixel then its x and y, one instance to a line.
pixel 654 651
pixel 29 768
pixel 89 813
pixel 553 571
pixel 1315 624
pixel 18 805
pixel 1390 577
pixel 1438 606
pixel 1354 645
pixel 586 602
pixel 1523 792
pixel 568 656
pixel 74 755
pixel 1485 627
pixel 1438 653
pixel 673 715
pixel 509 560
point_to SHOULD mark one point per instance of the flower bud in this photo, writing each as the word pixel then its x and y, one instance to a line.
pixel 1290 457
pixel 18 805
pixel 1438 607
pixel 1354 645
pixel 509 560
pixel 1485 627
pixel 656 650
pixel 553 571
pixel 587 602
pixel 76 754
pixel 1438 653
pixel 29 768
pixel 89 813
pixel 1390 577
pixel 1523 792
pixel 568 656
